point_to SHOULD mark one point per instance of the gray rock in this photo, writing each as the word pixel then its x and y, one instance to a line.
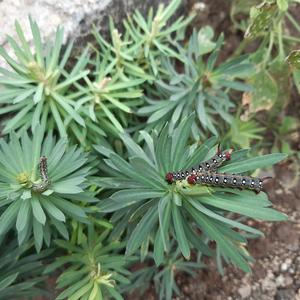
pixel 286 294
pixel 245 291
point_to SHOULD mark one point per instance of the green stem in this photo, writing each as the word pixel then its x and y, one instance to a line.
pixel 291 38
pixel 280 41
pixel 268 54
pixel 241 47
pixel 293 21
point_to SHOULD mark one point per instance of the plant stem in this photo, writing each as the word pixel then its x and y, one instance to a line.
pixel 291 38
pixel 268 54
pixel 280 41
pixel 293 21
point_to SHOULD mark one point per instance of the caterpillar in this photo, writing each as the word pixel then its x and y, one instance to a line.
pixel 210 165
pixel 206 173
pixel 42 186
pixel 227 180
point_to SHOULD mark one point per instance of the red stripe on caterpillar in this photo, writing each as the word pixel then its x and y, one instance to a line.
pixel 227 180
pixel 209 165
pixel 43 185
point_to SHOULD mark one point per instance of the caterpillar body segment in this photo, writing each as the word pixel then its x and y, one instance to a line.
pixel 227 180
pixel 209 165
pixel 43 185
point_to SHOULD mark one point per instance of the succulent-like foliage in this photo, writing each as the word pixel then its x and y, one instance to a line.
pixel 242 133
pixel 95 268
pixel 34 204
pixel 145 42
pixel 197 85
pixel 176 88
pixel 21 271
pixel 37 87
pixel 121 67
pixel 149 210
pixel 106 102
pixel 164 277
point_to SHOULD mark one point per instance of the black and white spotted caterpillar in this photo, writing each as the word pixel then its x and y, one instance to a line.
pixel 227 180
pixel 210 165
pixel 206 173
pixel 43 185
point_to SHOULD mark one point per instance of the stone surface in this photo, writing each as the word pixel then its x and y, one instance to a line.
pixel 76 16
pixel 245 291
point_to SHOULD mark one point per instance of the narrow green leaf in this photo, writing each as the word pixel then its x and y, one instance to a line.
pixel 37 210
pixel 253 163
pixel 180 233
pixel 239 207
pixel 38 234
pixel 218 217
pixel 53 210
pixel 125 198
pixel 8 280
pixel 142 230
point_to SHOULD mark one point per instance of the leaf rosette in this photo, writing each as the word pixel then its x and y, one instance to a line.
pixel 37 88
pixel 41 212
pixel 95 267
pixel 149 211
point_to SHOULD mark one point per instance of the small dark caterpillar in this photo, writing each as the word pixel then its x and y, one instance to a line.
pixel 210 165
pixel 45 182
pixel 227 180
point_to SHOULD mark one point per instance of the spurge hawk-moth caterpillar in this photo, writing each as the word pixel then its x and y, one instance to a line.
pixel 228 180
pixel 206 173
pixel 42 186
pixel 209 165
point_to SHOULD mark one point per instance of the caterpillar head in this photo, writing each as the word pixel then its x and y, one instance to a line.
pixel 192 179
pixel 228 154
pixel 169 177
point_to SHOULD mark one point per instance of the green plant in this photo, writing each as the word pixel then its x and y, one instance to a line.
pixel 21 271
pixel 283 135
pixel 242 132
pixel 42 212
pixel 157 212
pixel 199 86
pixel 172 86
pixel 106 102
pixel 114 89
pixel 37 88
pixel 95 266
pixel 145 42
pixel 164 277
pixel 269 25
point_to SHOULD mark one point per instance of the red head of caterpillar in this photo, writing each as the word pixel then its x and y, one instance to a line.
pixel 169 177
